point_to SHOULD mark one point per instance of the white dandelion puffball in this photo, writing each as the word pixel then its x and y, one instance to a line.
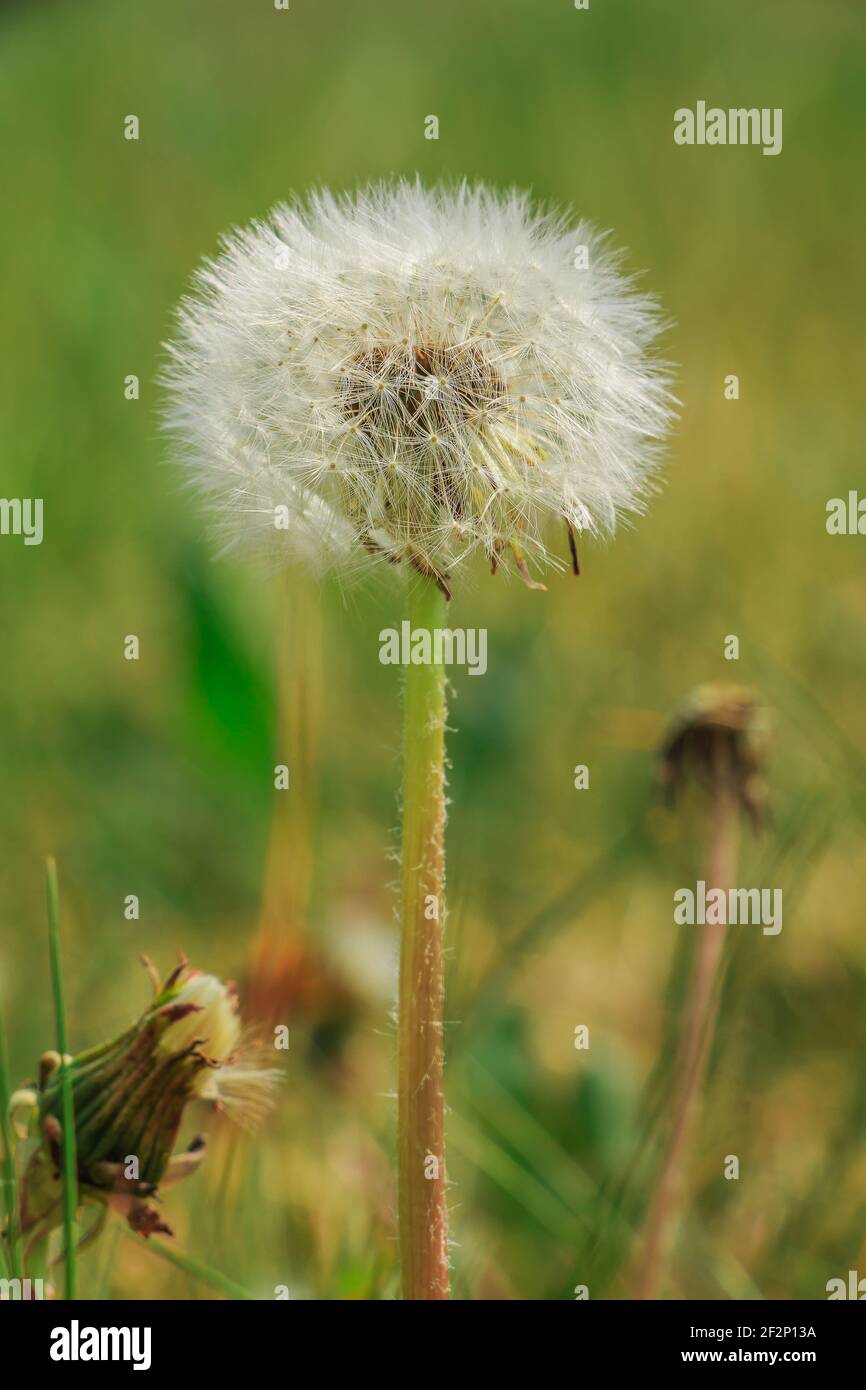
pixel 414 374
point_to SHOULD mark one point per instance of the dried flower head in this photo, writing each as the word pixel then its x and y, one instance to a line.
pixel 720 734
pixel 129 1096
pixel 414 374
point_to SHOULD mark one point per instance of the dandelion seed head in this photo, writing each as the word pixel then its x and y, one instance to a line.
pixel 214 1022
pixel 244 1090
pixel 414 374
pixel 720 736
pixel 239 1079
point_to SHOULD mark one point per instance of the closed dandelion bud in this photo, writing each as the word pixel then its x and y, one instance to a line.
pixel 129 1095
pixel 720 736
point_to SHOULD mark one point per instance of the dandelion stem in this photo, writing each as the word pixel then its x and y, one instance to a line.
pixel 695 1039
pixel 421 1124
pixel 70 1177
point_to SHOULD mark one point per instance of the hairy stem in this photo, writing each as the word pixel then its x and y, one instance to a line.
pixel 421 1123
pixel 694 1047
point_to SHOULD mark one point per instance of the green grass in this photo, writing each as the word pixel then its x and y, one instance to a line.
pixel 155 777
pixel 70 1171
pixel 196 1270
pixel 11 1249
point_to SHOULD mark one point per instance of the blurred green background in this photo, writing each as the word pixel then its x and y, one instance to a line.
pixel 155 777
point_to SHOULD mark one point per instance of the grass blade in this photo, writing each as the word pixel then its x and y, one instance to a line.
pixel 203 1273
pixel 70 1174
pixel 7 1174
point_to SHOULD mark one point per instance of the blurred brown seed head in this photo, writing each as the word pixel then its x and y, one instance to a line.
pixel 719 737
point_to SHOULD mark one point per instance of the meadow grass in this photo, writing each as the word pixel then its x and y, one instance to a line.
pixel 69 1170
pixel 155 777
pixel 10 1247
pixel 196 1269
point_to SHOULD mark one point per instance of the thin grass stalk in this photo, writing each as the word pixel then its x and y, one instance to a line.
pixel 9 1205
pixel 284 918
pixel 194 1268
pixel 70 1172
pixel 421 1111
pixel 694 1045
pixel 564 910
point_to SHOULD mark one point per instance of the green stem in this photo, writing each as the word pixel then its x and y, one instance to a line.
pixel 70 1175
pixel 7 1174
pixel 421 1120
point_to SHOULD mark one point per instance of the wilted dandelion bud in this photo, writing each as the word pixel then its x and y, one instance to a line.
pixel 129 1096
pixel 414 374
pixel 720 735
